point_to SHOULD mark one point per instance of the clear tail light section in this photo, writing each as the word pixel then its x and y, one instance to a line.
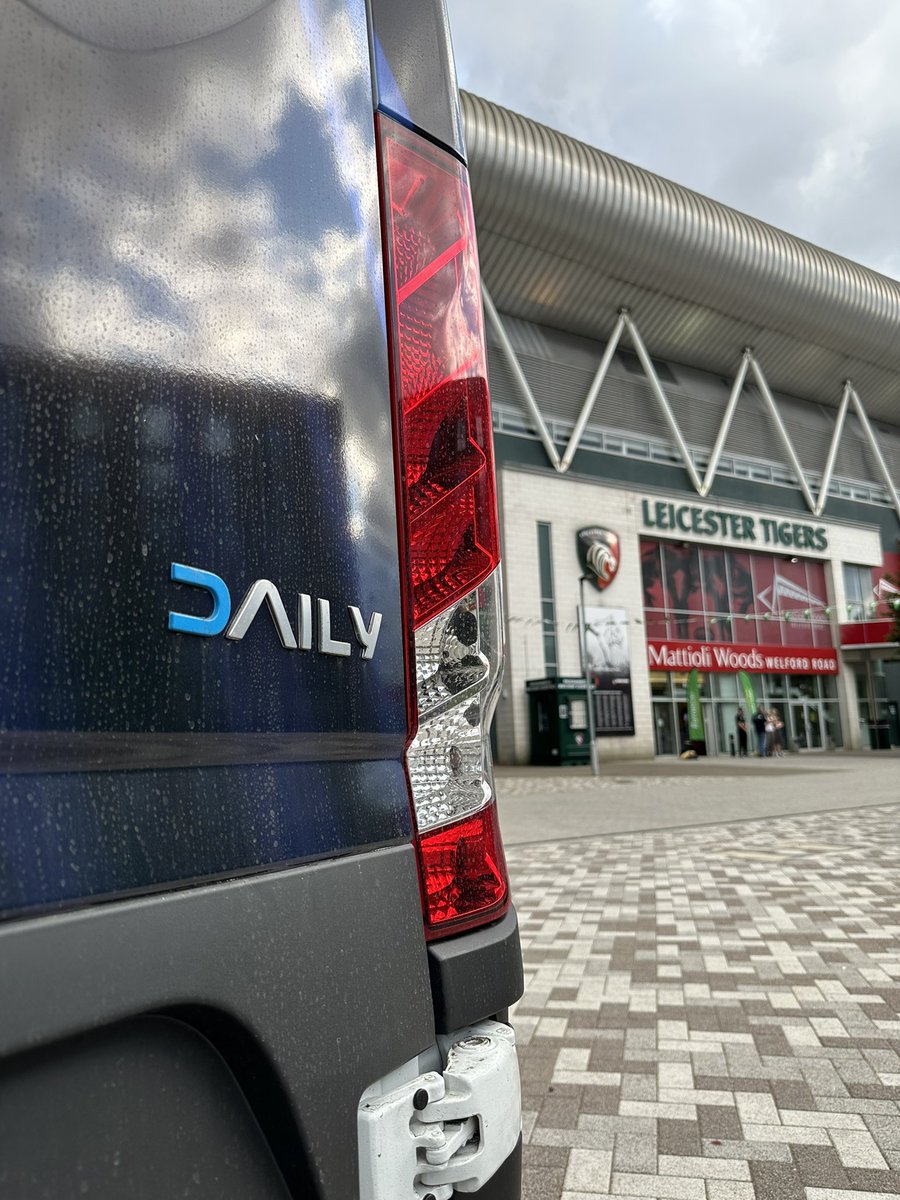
pixel 449 525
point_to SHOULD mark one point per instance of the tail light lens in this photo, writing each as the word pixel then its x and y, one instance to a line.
pixel 449 518
pixel 463 872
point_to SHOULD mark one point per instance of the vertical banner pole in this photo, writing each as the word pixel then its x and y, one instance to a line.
pixel 588 682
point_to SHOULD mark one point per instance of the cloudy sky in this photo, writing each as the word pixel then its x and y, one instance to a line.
pixel 786 109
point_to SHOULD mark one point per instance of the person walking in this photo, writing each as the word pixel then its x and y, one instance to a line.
pixel 759 727
pixel 741 722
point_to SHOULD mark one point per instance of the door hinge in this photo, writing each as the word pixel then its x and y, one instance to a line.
pixel 440 1133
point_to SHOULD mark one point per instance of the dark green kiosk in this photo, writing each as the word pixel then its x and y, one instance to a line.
pixel 559 721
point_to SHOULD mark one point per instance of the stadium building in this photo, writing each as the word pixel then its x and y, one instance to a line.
pixel 697 423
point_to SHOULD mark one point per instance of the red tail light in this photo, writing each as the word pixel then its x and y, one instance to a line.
pixel 440 370
pixel 449 524
pixel 463 871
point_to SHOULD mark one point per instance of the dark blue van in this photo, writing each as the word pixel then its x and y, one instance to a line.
pixel 256 937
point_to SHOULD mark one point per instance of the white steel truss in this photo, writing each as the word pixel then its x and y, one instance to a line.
pixel 748 364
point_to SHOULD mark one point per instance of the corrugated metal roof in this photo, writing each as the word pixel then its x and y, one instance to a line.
pixel 568 234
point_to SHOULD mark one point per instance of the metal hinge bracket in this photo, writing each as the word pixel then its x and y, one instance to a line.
pixel 440 1133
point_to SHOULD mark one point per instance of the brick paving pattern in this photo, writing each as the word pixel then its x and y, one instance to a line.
pixel 713 1013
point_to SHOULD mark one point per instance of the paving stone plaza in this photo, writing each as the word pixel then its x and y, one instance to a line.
pixel 712 1012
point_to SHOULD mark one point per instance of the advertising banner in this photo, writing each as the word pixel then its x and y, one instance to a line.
pixel 696 731
pixel 606 648
pixel 728 658
pixel 886 585
pixel 747 692
pixel 710 594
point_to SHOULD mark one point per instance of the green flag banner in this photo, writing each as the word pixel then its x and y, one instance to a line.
pixel 747 688
pixel 696 732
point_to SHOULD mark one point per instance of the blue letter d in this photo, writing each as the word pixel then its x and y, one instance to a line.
pixel 218 618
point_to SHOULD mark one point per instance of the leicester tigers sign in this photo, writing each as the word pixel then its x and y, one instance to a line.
pixel 598 553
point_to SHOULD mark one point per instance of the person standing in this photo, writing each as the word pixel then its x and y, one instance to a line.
pixel 759 726
pixel 777 734
pixel 741 722
pixel 770 732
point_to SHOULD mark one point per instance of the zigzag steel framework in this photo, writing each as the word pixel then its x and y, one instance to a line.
pixel 748 363
pixel 569 234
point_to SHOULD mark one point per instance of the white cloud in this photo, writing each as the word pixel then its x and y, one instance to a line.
pixel 176 222
pixel 790 112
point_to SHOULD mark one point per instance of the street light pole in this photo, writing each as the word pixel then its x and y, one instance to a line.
pixel 588 682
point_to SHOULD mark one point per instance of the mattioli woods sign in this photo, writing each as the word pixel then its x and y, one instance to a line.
pixel 728 658
pixel 695 520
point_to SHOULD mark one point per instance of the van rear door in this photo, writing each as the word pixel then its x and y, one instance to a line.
pixel 212 938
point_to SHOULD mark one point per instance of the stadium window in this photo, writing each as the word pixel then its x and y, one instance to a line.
pixel 857 590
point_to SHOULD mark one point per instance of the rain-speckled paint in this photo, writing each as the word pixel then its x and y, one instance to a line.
pixel 192 369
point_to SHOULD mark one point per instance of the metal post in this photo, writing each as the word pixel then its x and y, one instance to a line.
pixel 876 450
pixel 661 399
pixel 769 399
pixel 588 682
pixel 737 387
pixel 833 450
pixel 519 376
pixel 591 398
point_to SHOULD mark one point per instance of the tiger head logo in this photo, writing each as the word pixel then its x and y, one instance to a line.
pixel 598 550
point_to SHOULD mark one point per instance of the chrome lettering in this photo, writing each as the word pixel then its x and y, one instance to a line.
pixel 327 644
pixel 367 637
pixel 215 585
pixel 304 622
pixel 262 590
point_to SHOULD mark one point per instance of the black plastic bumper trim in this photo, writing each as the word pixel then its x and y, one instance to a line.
pixel 476 975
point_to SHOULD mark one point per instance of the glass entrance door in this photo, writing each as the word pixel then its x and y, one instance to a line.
pixel 807 725
pixel 715 743
pixel 814 726
pixel 725 728
pixel 663 728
